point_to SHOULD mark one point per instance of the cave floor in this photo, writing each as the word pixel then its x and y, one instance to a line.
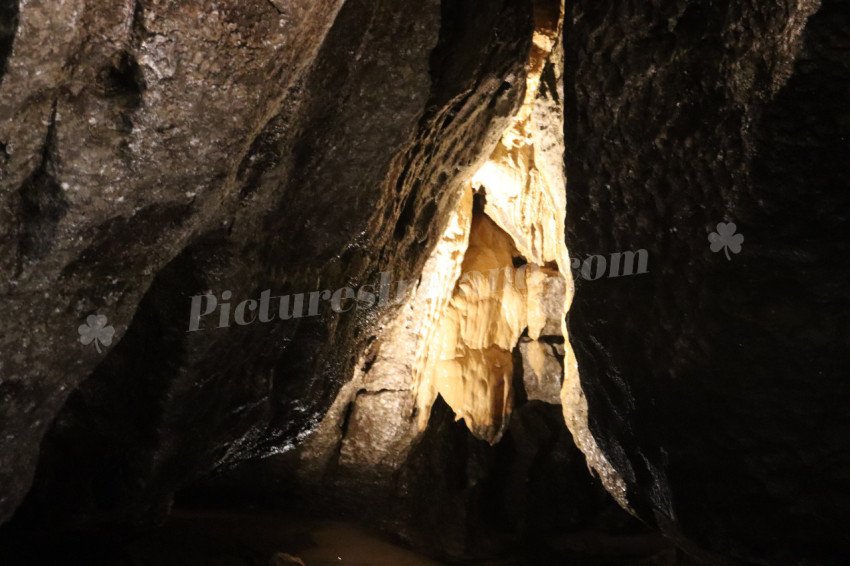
pixel 236 538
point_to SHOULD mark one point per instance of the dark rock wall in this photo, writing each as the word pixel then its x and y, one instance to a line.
pixel 718 388
pixel 164 150
pixel 528 499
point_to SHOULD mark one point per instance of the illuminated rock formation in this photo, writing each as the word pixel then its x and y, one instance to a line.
pixel 455 335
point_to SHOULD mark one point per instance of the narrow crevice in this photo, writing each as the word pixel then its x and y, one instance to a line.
pixel 8 28
pixel 43 205
pixel 124 81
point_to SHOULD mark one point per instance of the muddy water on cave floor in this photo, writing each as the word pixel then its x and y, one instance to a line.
pixel 238 538
pixel 220 539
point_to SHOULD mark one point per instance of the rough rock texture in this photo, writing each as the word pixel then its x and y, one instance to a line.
pixel 542 370
pixel 152 152
pixel 717 388
pixel 499 271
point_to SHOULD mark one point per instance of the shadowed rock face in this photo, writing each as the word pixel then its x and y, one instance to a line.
pixel 154 152
pixel 717 388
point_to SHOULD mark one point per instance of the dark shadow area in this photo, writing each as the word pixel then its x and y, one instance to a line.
pixel 717 387
pixel 8 27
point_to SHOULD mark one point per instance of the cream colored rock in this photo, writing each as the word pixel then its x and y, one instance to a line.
pixel 542 372
pixel 473 367
pixel 394 366
pixel 454 336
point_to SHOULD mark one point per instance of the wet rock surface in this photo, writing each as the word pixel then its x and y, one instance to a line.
pixel 208 147
pixel 717 387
